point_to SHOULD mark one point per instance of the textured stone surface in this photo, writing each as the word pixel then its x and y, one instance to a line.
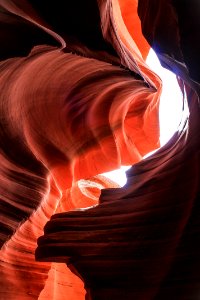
pixel 77 100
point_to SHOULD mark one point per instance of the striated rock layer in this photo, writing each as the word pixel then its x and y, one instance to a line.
pixel 144 243
pixel 77 100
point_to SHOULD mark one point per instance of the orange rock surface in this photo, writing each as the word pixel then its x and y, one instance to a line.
pixel 77 99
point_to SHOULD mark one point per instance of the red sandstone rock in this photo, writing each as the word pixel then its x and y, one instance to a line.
pixel 79 100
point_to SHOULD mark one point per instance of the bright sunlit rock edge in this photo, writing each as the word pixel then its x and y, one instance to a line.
pixel 170 111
